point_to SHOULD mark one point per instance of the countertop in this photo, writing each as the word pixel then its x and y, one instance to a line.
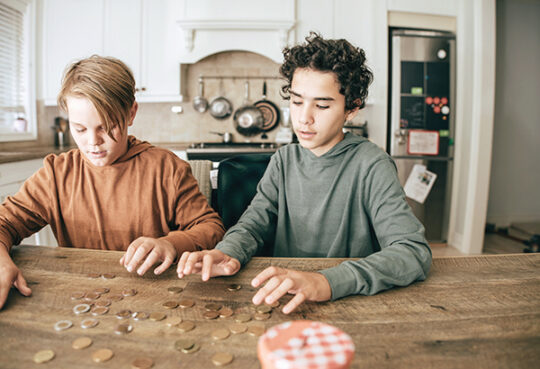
pixel 471 312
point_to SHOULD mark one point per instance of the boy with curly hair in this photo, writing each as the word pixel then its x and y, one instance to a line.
pixel 332 195
pixel 112 193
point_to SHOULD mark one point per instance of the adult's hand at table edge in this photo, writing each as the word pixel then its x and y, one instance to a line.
pixel 10 276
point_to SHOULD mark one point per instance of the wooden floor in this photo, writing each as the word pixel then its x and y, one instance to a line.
pixel 493 244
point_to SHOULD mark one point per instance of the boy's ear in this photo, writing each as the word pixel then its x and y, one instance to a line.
pixel 352 113
pixel 133 112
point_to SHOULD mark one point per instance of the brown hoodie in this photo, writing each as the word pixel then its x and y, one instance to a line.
pixel 147 192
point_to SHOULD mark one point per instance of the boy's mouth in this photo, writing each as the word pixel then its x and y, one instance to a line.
pixel 97 154
pixel 306 134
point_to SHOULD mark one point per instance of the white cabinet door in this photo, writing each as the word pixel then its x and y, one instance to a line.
pixel 72 30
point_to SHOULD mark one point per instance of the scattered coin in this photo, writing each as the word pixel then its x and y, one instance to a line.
pixel 186 326
pixel 81 308
pixel 116 297
pixel 123 314
pixel 108 276
pixel 142 363
pixel 222 358
pixel 94 275
pixel 102 355
pixel 242 318
pixel 157 316
pixel 129 292
pixel 234 287
pixel 175 290
pixel 186 303
pixel 212 306
pixel 102 290
pixel 89 323
pixel 174 321
pixel 263 308
pixel 43 356
pixel 191 350
pixel 256 330
pixel 210 314
pixel 225 312
pixel 77 295
pixel 261 316
pixel 123 328
pixel 81 343
pixel 275 304
pixel 220 334
pixel 238 328
pixel 140 315
pixel 103 303
pixel 183 344
pixel 99 310
pixel 170 305
pixel 91 296
pixel 62 325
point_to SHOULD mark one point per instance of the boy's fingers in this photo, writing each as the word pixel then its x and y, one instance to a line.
pixel 131 250
pixel 191 260
pixel 298 299
pixel 266 290
pixel 139 255
pixel 4 290
pixel 163 267
pixel 264 275
pixel 286 285
pixel 182 264
pixel 22 286
pixel 207 263
pixel 150 260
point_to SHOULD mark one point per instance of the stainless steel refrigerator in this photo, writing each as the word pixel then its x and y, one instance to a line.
pixel 421 117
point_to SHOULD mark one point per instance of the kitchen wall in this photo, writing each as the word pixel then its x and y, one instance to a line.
pixel 514 194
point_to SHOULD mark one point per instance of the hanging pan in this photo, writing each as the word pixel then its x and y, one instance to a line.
pixel 200 104
pixel 221 107
pixel 269 111
pixel 248 119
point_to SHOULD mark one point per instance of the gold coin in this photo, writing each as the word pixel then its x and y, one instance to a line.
pixel 186 303
pixel 275 304
pixel 102 290
pixel 242 318
pixel 108 276
pixel 91 296
pixel 170 305
pixel 89 323
pixel 157 316
pixel 123 314
pixel 142 363
pixel 116 297
pixel 237 328
pixel 123 328
pixel 43 356
pixel 256 330
pixel 99 310
pixel 103 303
pixel 77 295
pixel 81 343
pixel 102 355
pixel 210 315
pixel 225 312
pixel 186 326
pixel 261 316
pixel 174 321
pixel 191 350
pixel 212 306
pixel 94 275
pixel 140 315
pixel 263 308
pixel 222 358
pixel 182 345
pixel 220 334
pixel 175 290
pixel 234 287
pixel 129 292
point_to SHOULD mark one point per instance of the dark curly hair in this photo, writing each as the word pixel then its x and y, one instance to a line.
pixel 338 56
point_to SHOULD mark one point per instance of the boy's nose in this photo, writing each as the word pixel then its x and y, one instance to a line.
pixel 306 116
pixel 95 138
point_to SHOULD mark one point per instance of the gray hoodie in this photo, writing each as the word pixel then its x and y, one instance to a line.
pixel 345 203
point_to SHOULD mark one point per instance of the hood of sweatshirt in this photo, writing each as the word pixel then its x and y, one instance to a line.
pixel 349 142
pixel 135 147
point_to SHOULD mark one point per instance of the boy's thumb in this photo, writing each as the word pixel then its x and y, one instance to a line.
pixel 22 286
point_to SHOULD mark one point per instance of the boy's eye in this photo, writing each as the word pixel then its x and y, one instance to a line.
pixel 323 106
pixel 297 102
pixel 79 130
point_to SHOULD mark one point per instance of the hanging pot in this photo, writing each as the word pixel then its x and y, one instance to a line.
pixel 221 107
pixel 269 111
pixel 200 104
pixel 248 119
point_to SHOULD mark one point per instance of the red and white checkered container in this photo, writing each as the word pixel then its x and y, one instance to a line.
pixel 304 344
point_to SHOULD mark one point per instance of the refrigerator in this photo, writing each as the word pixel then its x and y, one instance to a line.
pixel 421 127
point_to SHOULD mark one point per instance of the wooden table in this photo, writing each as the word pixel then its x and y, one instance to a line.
pixel 472 312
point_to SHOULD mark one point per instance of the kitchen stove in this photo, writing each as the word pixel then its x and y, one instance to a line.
pixel 217 151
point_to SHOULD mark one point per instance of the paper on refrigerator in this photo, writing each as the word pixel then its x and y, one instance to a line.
pixel 419 183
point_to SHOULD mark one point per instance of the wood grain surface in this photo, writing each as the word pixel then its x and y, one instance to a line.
pixel 471 312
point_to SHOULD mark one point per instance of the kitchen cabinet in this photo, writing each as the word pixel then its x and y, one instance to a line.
pixel 12 176
pixel 142 33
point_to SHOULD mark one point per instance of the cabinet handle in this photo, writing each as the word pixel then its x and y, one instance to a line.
pixel 143 89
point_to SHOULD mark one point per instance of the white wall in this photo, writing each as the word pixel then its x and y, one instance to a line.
pixel 514 194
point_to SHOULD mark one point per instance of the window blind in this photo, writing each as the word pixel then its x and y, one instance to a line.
pixel 13 90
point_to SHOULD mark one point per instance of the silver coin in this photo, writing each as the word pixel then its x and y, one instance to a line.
pixel 81 308
pixel 62 325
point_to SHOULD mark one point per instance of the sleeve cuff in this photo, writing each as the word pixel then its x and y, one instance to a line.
pixel 343 281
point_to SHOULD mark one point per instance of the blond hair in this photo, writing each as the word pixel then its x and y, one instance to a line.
pixel 107 82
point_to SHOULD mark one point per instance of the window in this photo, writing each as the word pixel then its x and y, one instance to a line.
pixel 17 72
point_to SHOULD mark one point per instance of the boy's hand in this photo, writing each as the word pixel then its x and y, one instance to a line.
pixel 10 275
pixel 305 285
pixel 151 250
pixel 209 263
